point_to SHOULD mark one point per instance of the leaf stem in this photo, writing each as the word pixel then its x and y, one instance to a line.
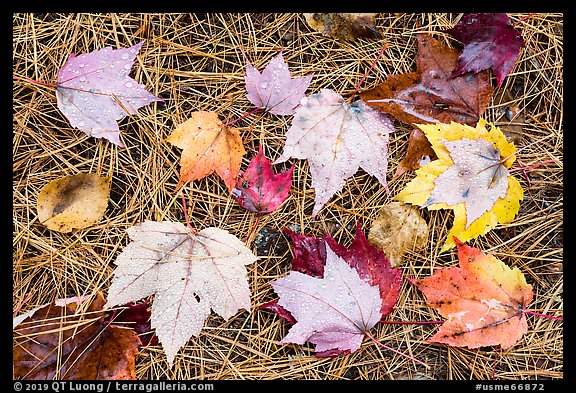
pixel 412 322
pixel 370 69
pixel 250 128
pixel 543 315
pixel 373 339
pixel 523 19
pixel 186 215
pixel 34 81
pixel 243 116
pixel 253 228
pixel 522 168
pixel 22 304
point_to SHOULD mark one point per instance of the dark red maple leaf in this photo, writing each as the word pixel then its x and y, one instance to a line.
pixel 370 263
pixel 137 316
pixel 259 189
pixel 490 41
pixel 372 266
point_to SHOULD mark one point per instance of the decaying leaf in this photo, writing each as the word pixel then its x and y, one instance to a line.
pixel 337 138
pixel 59 342
pixel 398 228
pixel 470 176
pixel 490 41
pixel 483 300
pixel 208 146
pixel 259 189
pixel 509 117
pixel 275 90
pixel 369 264
pixel 419 153
pixel 189 274
pixel 344 26
pixel 430 95
pixel 73 202
pixel 94 91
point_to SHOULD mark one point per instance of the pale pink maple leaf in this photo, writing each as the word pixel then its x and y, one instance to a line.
pixel 332 312
pixel 337 138
pixel 94 90
pixel 275 90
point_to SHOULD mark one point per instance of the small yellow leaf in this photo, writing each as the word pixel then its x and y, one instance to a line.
pixel 73 202
pixel 398 228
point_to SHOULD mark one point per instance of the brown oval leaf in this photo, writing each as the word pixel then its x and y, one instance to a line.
pixel 73 202
pixel 344 26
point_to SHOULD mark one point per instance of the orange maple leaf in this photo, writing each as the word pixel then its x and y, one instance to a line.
pixel 208 146
pixel 483 299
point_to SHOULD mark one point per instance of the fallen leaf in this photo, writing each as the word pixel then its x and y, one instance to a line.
pixel 468 177
pixel 369 263
pixel 332 312
pixel 275 90
pixel 398 228
pixel 189 274
pixel 309 253
pixel 430 95
pixel 337 138
pixel 137 316
pixel 94 91
pixel 59 342
pixel 419 153
pixel 208 146
pixel 372 266
pixel 490 41
pixel 483 300
pixel 344 26
pixel 73 202
pixel 259 189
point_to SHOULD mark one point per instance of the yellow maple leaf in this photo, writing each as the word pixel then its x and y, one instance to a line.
pixel 421 190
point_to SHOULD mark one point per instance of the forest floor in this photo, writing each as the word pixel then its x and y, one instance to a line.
pixel 197 62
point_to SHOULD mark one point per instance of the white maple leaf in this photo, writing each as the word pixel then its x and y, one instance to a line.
pixel 189 274
pixel 337 139
pixel 477 177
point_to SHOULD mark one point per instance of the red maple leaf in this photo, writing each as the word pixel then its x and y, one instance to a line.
pixel 259 189
pixel 369 263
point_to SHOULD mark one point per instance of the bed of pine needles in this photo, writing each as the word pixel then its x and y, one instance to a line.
pixel 197 62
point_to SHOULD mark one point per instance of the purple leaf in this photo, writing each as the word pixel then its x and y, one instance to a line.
pixel 94 91
pixel 259 189
pixel 274 89
pixel 490 41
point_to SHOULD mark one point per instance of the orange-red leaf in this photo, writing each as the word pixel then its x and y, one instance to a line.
pixel 208 146
pixel 483 300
